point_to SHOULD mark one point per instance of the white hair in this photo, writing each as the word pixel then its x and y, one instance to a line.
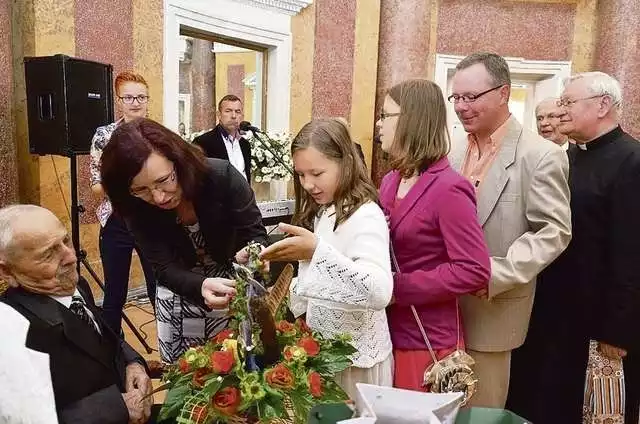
pixel 600 84
pixel 548 99
pixel 8 216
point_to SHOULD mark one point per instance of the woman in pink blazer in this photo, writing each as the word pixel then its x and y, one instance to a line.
pixel 436 237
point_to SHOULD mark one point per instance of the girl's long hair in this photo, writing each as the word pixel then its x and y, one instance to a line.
pixel 331 137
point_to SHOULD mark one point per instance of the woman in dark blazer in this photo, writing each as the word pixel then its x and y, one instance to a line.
pixel 436 237
pixel 191 217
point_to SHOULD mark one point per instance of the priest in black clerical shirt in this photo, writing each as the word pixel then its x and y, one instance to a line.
pixel 592 291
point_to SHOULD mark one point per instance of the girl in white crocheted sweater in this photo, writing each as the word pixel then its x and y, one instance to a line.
pixel 344 281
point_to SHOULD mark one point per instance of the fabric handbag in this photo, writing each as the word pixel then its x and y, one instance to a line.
pixel 454 372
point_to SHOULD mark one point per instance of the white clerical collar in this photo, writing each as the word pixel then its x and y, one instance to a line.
pixel 582 146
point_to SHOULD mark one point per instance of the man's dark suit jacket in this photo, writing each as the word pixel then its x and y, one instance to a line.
pixel 87 370
pixel 212 143
pixel 228 217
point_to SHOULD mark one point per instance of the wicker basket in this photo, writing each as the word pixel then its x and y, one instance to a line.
pixel 247 420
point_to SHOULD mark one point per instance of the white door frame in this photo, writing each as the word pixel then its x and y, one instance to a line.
pixel 231 19
pixel 552 72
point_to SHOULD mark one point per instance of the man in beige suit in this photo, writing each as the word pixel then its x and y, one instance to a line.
pixel 523 207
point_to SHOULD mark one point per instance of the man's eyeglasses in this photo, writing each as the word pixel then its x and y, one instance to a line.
pixel 161 185
pixel 130 99
pixel 470 98
pixel 570 103
pixel 385 115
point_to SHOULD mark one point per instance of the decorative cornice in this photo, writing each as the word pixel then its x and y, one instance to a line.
pixel 289 7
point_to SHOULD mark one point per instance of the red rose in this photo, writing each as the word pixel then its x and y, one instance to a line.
pixel 199 414
pixel 279 377
pixel 198 377
pixel 302 326
pixel 288 353
pixel 222 361
pixel 285 327
pixel 223 335
pixel 315 384
pixel 227 400
pixel 183 365
pixel 310 345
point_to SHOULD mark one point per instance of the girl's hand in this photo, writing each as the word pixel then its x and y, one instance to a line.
pixel 299 247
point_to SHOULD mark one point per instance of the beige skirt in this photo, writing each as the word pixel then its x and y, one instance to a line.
pixel 381 374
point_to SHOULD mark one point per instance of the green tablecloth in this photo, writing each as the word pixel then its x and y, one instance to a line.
pixel 331 413
pixel 488 416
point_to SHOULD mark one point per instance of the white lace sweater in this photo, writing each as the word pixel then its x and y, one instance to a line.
pixel 348 283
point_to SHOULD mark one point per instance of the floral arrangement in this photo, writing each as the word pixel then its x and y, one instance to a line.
pixel 235 377
pixel 264 166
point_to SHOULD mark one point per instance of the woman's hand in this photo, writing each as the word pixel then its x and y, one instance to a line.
pixel 242 257
pixel 217 292
pixel 299 247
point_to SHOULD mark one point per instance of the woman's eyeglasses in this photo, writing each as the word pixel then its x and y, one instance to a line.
pixel 128 100
pixel 161 185
pixel 384 115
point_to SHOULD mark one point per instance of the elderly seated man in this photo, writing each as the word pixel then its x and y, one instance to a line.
pixel 97 377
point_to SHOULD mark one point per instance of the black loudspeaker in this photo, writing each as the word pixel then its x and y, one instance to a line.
pixel 67 99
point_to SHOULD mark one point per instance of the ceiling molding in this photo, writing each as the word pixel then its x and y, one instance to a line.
pixel 289 7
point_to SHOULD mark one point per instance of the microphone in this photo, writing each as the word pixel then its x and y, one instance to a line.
pixel 246 126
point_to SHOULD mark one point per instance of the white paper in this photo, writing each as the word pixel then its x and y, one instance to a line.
pixel 26 392
pixel 388 405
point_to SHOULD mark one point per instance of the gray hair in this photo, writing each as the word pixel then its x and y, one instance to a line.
pixel 495 64
pixel 600 84
pixel 8 216
pixel 554 100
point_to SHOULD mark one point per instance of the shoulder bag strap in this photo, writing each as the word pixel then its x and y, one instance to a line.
pixel 417 318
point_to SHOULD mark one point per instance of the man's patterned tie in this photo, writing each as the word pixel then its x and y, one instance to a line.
pixel 79 308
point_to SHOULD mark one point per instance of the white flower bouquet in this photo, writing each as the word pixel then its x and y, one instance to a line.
pixel 264 166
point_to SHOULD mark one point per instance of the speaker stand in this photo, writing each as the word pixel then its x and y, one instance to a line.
pixel 76 210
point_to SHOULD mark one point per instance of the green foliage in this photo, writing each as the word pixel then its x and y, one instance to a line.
pixel 199 395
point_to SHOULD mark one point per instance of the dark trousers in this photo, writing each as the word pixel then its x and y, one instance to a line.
pixel 116 247
pixel 631 366
pixel 548 373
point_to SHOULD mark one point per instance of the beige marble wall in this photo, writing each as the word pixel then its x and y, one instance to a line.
pixel 303 29
pixel 365 63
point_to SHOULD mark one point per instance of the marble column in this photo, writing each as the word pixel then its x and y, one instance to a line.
pixel 8 158
pixel 203 107
pixel 618 42
pixel 333 58
pixel 403 53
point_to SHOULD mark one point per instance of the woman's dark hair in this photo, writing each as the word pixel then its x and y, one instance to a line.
pixel 130 146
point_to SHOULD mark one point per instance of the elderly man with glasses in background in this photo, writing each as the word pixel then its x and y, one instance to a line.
pixel 523 207
pixel 593 290
pixel 548 115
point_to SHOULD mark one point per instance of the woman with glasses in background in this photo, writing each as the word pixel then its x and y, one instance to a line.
pixel 438 245
pixel 190 216
pixel 116 242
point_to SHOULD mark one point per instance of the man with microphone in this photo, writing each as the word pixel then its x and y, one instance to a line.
pixel 225 141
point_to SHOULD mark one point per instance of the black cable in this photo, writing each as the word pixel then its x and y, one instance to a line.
pixel 140 327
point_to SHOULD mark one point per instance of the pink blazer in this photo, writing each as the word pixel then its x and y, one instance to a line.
pixel 441 253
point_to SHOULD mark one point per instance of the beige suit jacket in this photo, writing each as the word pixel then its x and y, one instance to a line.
pixel 523 207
